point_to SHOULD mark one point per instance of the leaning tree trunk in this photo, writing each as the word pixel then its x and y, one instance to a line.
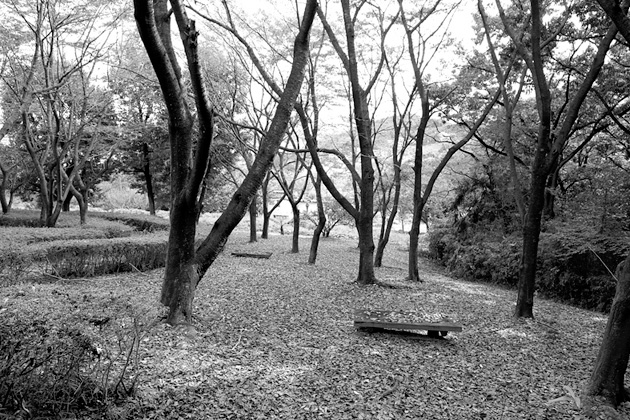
pixel 321 221
pixel 607 379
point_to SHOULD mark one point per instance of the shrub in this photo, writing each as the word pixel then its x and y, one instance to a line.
pixel 48 370
pixel 572 265
pixel 99 257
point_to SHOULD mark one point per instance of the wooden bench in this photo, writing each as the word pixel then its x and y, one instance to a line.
pixel 264 255
pixel 375 320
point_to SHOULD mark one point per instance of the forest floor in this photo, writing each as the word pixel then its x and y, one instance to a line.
pixel 274 339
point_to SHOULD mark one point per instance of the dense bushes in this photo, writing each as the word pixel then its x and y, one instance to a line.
pixel 572 265
pixel 50 369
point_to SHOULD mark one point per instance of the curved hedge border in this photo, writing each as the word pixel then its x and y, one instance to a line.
pixel 143 223
pixel 569 268
pixel 83 258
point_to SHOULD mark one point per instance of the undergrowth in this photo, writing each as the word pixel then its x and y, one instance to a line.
pixel 56 368
pixel 573 266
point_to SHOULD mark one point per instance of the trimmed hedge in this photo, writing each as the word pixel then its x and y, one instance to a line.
pixel 569 268
pixel 140 222
pixel 105 256
pixel 83 258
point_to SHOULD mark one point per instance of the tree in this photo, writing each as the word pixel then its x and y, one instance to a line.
pixel 141 114
pixel 428 106
pixel 607 379
pixel 402 139
pixel 289 175
pixel 186 265
pixel 363 213
pixel 59 107
pixel 549 145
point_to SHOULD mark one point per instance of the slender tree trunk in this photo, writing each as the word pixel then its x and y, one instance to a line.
pixel 265 208
pixel 418 200
pixel 252 220
pixel 3 188
pixel 389 224
pixel 550 195
pixel 607 379
pixel 148 177
pixel 321 221
pixel 295 243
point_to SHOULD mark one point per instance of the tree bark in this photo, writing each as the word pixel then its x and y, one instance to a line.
pixel 265 207
pixel 607 379
pixel 4 171
pixel 295 242
pixel 321 221
pixel 618 13
pixel 148 177
pixel 253 236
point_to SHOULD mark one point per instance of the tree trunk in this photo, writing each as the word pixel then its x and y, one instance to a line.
pixel 66 204
pixel 389 224
pixel 295 243
pixel 148 178
pixel 607 379
pixel 321 221
pixel 418 201
pixel 180 277
pixel 252 220
pixel 265 208
pixel 3 188
pixel 550 194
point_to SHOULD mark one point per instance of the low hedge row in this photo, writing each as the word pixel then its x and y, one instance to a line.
pixel 83 258
pixel 21 235
pixel 571 266
pixel 105 256
pixel 143 223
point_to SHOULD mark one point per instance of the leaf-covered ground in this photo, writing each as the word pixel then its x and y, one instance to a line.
pixel 274 338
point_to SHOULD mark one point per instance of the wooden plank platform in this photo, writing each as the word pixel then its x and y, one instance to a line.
pixel 400 320
pixel 264 255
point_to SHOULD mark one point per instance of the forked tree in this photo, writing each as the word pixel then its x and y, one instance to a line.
pixel 549 145
pixel 607 378
pixel 186 265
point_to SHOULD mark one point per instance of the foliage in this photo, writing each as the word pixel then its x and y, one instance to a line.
pixel 117 193
pixel 99 257
pixel 573 265
pixel 59 365
pixel 335 215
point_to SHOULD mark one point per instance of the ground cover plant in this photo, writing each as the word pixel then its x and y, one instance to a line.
pixel 275 339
